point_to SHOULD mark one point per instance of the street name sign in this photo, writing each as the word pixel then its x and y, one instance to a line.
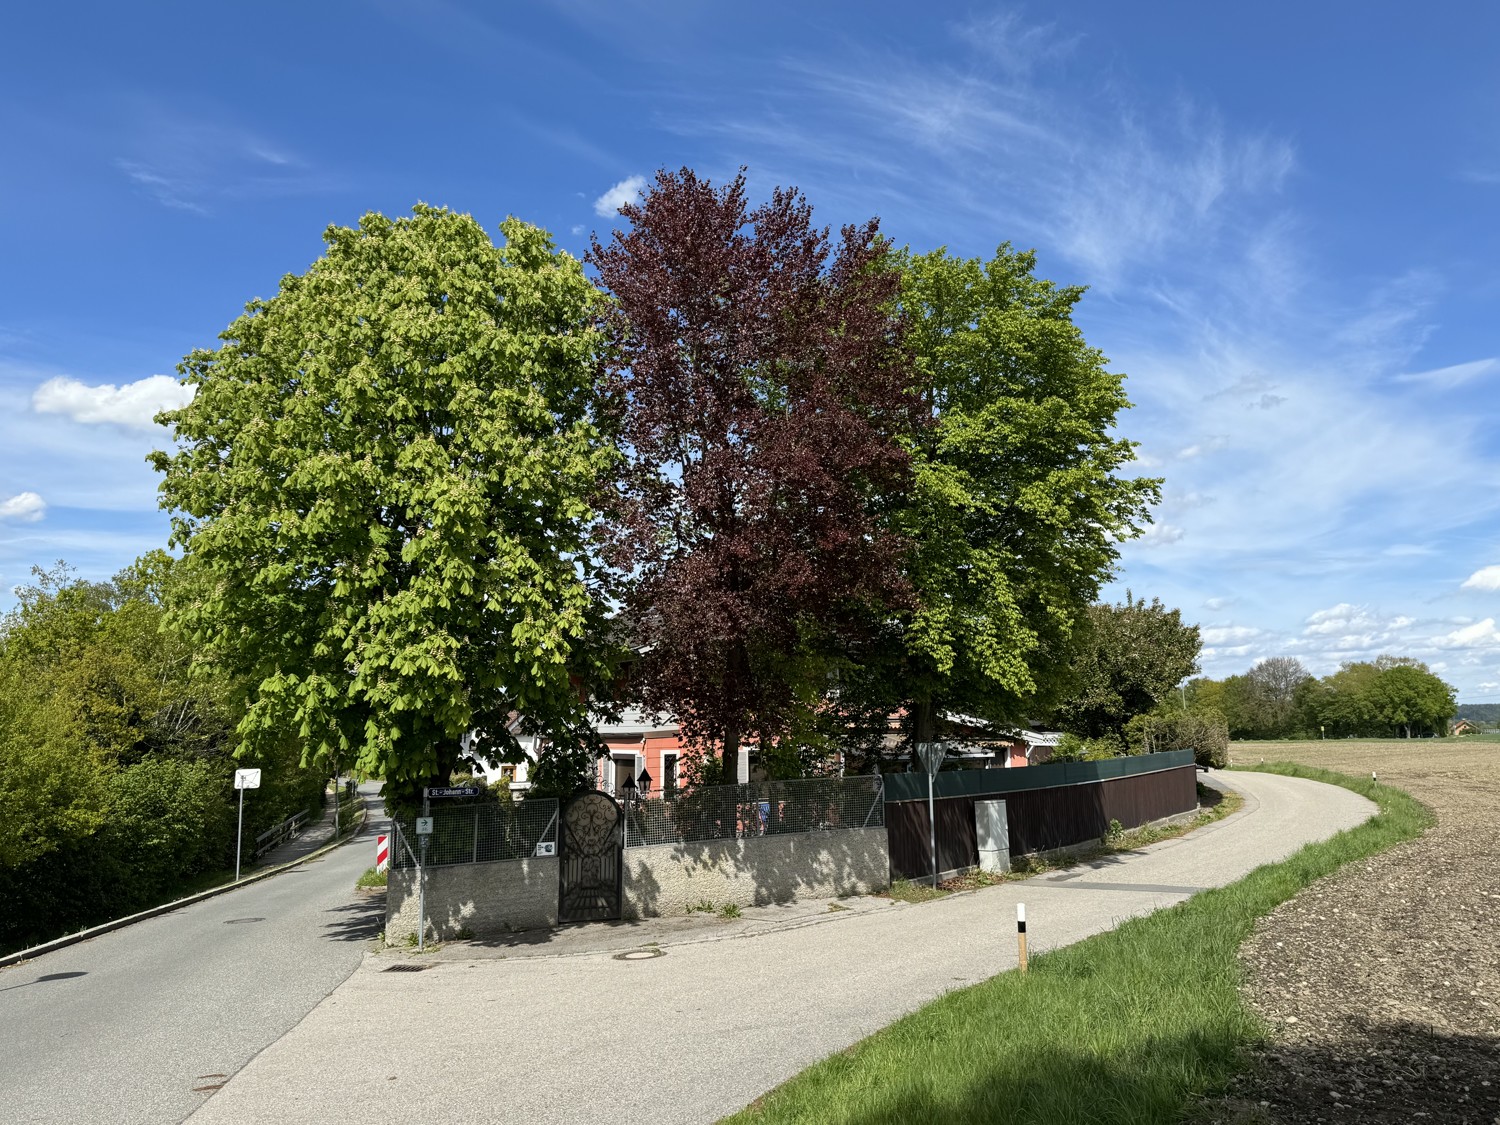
pixel 455 791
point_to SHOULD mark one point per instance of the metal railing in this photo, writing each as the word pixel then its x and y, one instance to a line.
pixel 766 808
pixel 272 838
pixel 479 833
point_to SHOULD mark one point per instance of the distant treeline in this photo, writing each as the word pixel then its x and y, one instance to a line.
pixel 1279 698
pixel 116 775
pixel 1486 714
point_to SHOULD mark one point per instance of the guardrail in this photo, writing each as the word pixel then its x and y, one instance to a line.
pixel 288 829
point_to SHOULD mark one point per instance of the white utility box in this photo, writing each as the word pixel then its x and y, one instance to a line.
pixel 992 832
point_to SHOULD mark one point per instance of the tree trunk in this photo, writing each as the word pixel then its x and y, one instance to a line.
pixel 923 720
pixel 730 755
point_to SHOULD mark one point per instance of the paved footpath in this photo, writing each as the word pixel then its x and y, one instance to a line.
pixel 551 1032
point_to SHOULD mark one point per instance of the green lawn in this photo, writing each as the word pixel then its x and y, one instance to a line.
pixel 1128 1026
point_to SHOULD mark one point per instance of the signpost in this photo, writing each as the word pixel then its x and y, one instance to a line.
pixel 931 755
pixel 454 791
pixel 243 779
pixel 424 833
pixel 382 852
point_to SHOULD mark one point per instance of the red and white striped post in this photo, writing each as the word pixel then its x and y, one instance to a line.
pixel 382 852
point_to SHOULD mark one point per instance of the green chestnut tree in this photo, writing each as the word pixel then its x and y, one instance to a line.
pixel 384 482
pixel 1018 501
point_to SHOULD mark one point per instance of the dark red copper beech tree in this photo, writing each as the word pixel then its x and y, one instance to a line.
pixel 760 380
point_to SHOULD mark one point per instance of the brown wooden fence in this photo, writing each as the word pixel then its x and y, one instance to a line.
pixel 1048 806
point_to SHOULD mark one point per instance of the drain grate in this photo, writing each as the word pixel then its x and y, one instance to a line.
pixel 640 954
pixel 241 921
pixel 405 967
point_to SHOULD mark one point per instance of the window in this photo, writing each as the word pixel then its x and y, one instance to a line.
pixel 668 774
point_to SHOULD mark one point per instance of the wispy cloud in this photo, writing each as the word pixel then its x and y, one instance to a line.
pixel 133 405
pixel 197 165
pixel 1456 375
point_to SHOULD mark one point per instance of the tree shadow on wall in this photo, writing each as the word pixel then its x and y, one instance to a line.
pixel 777 867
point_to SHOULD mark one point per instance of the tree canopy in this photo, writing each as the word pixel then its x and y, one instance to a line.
pixel 115 760
pixel 1128 660
pixel 385 483
pixel 1018 505
pixel 761 387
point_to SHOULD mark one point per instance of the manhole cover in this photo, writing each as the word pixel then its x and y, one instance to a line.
pixel 640 954
pixel 405 967
pixel 241 921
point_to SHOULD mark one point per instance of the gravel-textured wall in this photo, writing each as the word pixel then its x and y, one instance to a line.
pixel 521 894
pixel 518 894
pixel 668 878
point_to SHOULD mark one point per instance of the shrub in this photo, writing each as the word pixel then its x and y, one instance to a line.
pixel 1204 731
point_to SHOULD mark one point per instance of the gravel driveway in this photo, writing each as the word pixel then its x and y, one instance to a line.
pixel 1382 982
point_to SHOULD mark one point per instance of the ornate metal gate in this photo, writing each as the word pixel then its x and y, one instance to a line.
pixel 590 859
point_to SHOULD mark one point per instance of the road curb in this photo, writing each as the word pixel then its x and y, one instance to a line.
pixel 177 904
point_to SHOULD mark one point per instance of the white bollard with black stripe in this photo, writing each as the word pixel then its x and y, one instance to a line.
pixel 1021 932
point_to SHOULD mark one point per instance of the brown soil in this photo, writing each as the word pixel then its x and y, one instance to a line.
pixel 1381 983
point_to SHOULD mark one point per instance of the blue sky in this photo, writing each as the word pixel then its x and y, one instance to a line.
pixel 1286 215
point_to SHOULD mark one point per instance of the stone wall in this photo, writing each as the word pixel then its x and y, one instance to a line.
pixel 482 898
pixel 521 894
pixel 669 878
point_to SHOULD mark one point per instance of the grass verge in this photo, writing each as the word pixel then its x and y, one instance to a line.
pixel 371 878
pixel 1127 1026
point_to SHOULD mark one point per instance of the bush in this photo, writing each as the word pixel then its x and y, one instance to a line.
pixel 1072 748
pixel 1203 731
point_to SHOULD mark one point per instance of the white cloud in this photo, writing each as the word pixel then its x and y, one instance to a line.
pixel 1217 604
pixel 1159 535
pixel 608 205
pixel 1198 449
pixel 1342 618
pixel 1486 578
pixel 24 507
pixel 1229 634
pixel 1481 634
pixel 133 404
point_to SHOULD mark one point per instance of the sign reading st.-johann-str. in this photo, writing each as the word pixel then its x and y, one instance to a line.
pixel 247 779
pixel 424 826
pixel 455 791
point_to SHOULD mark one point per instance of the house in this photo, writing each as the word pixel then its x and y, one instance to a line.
pixel 975 744
pixel 1464 726
pixel 637 742
pixel 640 742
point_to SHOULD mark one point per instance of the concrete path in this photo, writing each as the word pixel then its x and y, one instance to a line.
pixel 696 1028
pixel 142 1024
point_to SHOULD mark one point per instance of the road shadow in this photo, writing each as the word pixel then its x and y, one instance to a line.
pixel 44 979
pixel 360 919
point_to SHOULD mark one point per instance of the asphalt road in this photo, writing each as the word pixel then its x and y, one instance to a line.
pixel 142 1024
pixel 704 1026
